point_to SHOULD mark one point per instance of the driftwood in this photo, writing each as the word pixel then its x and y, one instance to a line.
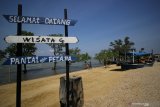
pixel 76 97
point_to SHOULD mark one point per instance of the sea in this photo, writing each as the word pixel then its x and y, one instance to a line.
pixel 8 72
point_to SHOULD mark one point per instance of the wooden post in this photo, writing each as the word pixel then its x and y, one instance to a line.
pixel 19 66
pixel 75 92
pixel 67 62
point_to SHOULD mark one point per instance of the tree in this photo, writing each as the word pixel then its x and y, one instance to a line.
pixel 104 56
pixel 2 54
pixel 127 43
pixel 27 49
pixel 11 50
pixel 84 57
pixel 58 48
pixel 127 46
pixel 121 46
pixel 76 53
pixel 101 56
pixel 117 47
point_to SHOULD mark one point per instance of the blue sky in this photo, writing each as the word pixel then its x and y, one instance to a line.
pixel 99 22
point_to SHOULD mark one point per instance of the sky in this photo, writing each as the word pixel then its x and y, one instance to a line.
pixel 99 22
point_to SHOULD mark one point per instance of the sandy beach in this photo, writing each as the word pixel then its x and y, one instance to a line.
pixel 103 87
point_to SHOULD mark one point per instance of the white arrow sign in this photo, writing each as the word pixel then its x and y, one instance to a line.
pixel 40 39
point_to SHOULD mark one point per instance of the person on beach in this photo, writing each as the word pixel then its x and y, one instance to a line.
pixel 90 64
pixel 86 65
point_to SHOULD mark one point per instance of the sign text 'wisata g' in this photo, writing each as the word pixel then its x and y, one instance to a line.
pixel 40 39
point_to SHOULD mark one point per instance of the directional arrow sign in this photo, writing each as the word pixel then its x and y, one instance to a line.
pixel 37 59
pixel 40 39
pixel 39 20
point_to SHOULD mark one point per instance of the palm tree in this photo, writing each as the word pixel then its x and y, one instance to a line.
pixel 117 47
pixel 121 47
pixel 127 45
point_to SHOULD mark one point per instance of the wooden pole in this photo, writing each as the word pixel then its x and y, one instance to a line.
pixel 19 66
pixel 67 62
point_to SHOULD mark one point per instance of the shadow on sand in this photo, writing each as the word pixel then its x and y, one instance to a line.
pixel 118 70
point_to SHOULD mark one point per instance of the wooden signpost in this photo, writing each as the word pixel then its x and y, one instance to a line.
pixel 19 39
pixel 67 62
pixel 19 66
pixel 40 39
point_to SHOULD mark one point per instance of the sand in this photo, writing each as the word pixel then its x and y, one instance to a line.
pixel 103 87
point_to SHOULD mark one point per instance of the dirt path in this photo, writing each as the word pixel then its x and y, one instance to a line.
pixel 102 88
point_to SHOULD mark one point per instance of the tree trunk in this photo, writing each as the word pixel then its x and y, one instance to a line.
pixel 55 65
pixel 119 56
pixel 25 69
pixel 125 56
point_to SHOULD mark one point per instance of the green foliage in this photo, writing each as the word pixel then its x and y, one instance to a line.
pixel 84 57
pixel 127 44
pixel 117 45
pixel 76 52
pixel 2 54
pixel 11 50
pixel 104 55
pixel 122 46
pixel 58 48
pixel 28 49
